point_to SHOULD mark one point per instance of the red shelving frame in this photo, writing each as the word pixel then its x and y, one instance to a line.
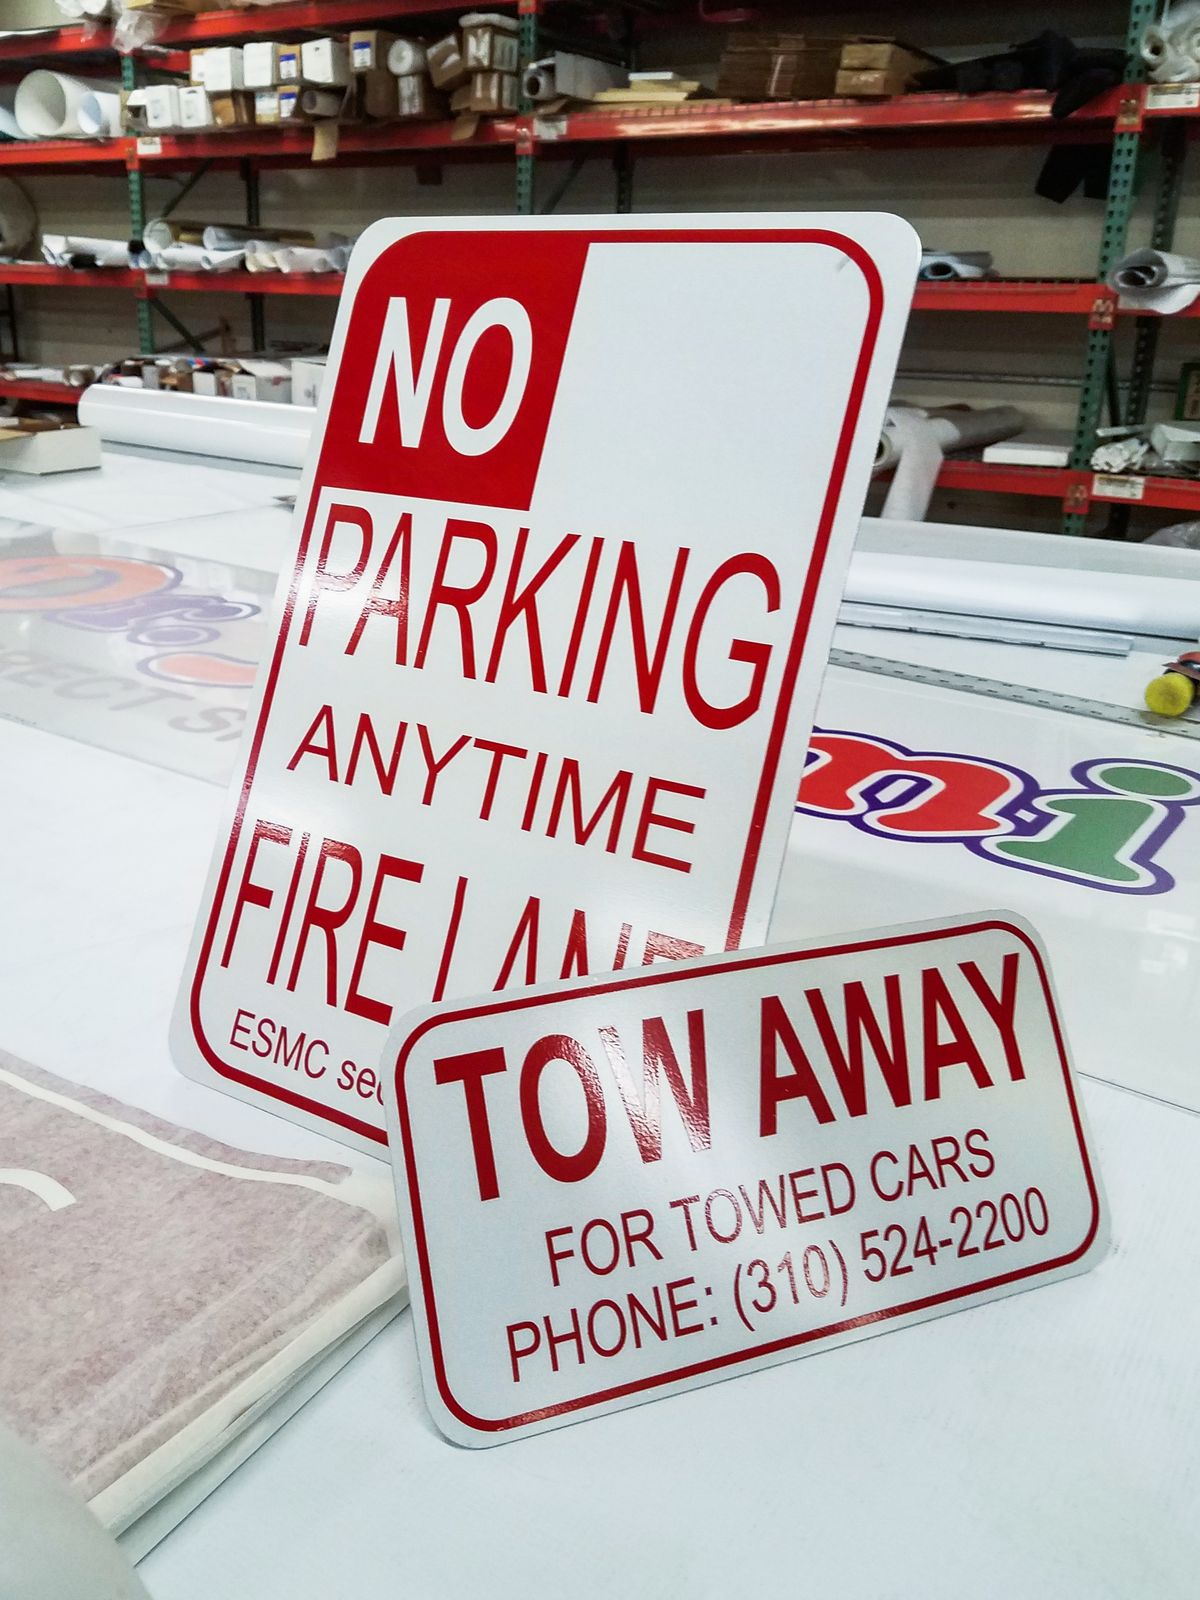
pixel 35 389
pixel 1074 488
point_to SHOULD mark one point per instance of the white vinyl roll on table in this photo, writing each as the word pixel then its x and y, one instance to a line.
pixel 1071 597
pixel 231 430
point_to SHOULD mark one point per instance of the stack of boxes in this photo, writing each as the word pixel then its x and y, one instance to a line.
pixel 370 76
pixel 799 66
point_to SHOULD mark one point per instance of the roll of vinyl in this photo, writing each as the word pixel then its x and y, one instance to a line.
pixel 300 259
pixel 17 218
pixel 232 430
pixel 1156 280
pixel 47 104
pixel 105 252
pixel 538 82
pixel 221 260
pixel 261 261
pixel 320 103
pixel 100 115
pixel 180 258
pixel 233 236
pixel 97 8
pixel 1062 596
pixel 405 56
pixel 917 442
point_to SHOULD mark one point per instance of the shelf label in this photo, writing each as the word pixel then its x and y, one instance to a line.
pixel 549 128
pixel 149 145
pixel 1112 486
pixel 550 641
pixel 1172 96
pixel 671 1178
pixel 158 280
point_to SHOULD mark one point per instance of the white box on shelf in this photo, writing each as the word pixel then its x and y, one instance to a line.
pixel 325 61
pixel 195 109
pixel 162 106
pixel 260 64
pixel 223 70
pixel 307 377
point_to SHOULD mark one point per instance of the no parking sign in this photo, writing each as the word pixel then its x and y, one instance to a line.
pixel 568 557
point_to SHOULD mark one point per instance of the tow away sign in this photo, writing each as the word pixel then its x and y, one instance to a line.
pixel 629 1186
pixel 568 557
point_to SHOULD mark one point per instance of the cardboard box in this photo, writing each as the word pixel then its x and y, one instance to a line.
pixel 260 64
pixel 307 377
pixel 162 106
pixel 871 68
pixel 369 49
pixel 262 380
pixel 447 68
pixel 234 110
pixel 325 63
pixel 418 100
pixel 223 69
pixel 287 104
pixel 196 67
pixel 39 447
pixel 133 110
pixel 373 96
pixel 289 63
pixel 779 66
pixel 489 42
pixel 266 106
pixel 487 92
pixel 195 108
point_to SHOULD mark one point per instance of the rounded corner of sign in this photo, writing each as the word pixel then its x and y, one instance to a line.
pixel 457 1424
pixel 1006 921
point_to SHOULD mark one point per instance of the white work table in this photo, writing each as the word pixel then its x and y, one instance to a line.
pixel 1044 1447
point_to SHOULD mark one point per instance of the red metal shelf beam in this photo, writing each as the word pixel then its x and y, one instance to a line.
pixel 322 16
pixel 63 394
pixel 1080 488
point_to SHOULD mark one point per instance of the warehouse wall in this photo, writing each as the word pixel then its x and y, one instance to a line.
pixel 973 197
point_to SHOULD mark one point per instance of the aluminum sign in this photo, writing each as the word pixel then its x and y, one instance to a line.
pixel 629 1186
pixel 567 563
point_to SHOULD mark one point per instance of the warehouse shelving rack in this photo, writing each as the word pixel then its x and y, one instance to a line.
pixel 1129 115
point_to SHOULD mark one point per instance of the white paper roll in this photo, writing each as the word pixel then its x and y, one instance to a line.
pixel 234 236
pixel 108 252
pixel 180 258
pixel 47 104
pixel 231 430
pixel 301 259
pixel 538 82
pixel 1156 280
pixel 939 266
pixel 100 115
pixel 405 56
pixel 222 260
pixel 916 441
pixel 261 261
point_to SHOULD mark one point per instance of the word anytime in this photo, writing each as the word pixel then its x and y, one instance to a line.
pixel 143 601
pixel 1103 832
pixel 502 617
pixel 815 1052
pixel 537 792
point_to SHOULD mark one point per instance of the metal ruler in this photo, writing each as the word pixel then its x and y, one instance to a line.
pixel 1185 727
